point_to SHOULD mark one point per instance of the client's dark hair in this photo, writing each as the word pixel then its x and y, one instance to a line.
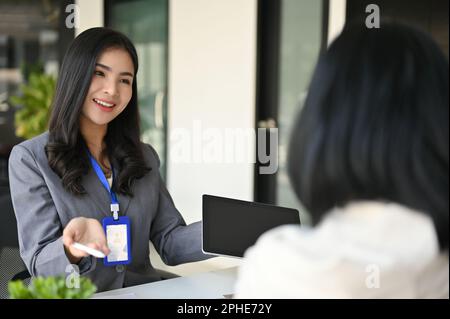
pixel 66 149
pixel 375 125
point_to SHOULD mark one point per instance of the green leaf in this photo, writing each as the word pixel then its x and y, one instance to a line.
pixel 34 105
pixel 17 290
pixel 51 288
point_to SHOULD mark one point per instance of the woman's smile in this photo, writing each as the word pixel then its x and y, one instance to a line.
pixel 106 106
pixel 111 88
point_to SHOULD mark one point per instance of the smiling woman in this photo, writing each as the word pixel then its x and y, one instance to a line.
pixel 110 88
pixel 64 182
pixel 109 92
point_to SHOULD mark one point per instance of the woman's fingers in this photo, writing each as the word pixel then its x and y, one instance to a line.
pixel 100 247
pixel 77 253
pixel 86 231
pixel 97 236
pixel 105 250
pixel 70 234
pixel 67 239
pixel 75 229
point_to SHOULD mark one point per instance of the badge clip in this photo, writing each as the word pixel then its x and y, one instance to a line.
pixel 115 211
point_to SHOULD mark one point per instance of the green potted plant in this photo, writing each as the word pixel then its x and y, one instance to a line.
pixel 31 119
pixel 51 288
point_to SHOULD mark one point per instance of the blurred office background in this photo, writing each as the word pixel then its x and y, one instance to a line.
pixel 220 64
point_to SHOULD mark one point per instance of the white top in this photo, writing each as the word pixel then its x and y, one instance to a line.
pixel 366 250
pixel 110 180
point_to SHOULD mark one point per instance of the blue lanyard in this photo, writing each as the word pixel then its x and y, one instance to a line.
pixel 101 176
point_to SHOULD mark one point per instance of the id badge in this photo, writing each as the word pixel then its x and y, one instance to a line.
pixel 118 238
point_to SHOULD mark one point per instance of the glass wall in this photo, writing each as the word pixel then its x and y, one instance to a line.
pixel 300 43
pixel 146 24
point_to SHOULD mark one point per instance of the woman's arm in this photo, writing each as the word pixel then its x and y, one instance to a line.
pixel 175 241
pixel 39 227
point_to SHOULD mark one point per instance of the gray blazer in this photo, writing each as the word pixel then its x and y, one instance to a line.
pixel 43 208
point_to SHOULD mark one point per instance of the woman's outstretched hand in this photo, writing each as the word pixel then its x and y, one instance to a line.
pixel 86 231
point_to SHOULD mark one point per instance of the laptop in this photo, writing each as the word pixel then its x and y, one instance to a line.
pixel 230 226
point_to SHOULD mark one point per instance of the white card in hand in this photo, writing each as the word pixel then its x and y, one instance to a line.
pixel 89 250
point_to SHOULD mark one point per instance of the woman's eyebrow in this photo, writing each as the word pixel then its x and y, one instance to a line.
pixel 110 69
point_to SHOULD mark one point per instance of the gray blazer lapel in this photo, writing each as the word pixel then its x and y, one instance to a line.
pixel 99 195
pixel 97 192
pixel 124 201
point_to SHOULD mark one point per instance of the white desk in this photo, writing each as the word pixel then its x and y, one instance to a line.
pixel 209 285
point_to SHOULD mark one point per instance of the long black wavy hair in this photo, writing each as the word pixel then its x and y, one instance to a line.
pixel 375 125
pixel 66 148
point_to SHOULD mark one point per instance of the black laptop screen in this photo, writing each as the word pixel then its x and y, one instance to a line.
pixel 231 226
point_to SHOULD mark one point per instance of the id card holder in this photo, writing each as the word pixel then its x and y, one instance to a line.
pixel 118 238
